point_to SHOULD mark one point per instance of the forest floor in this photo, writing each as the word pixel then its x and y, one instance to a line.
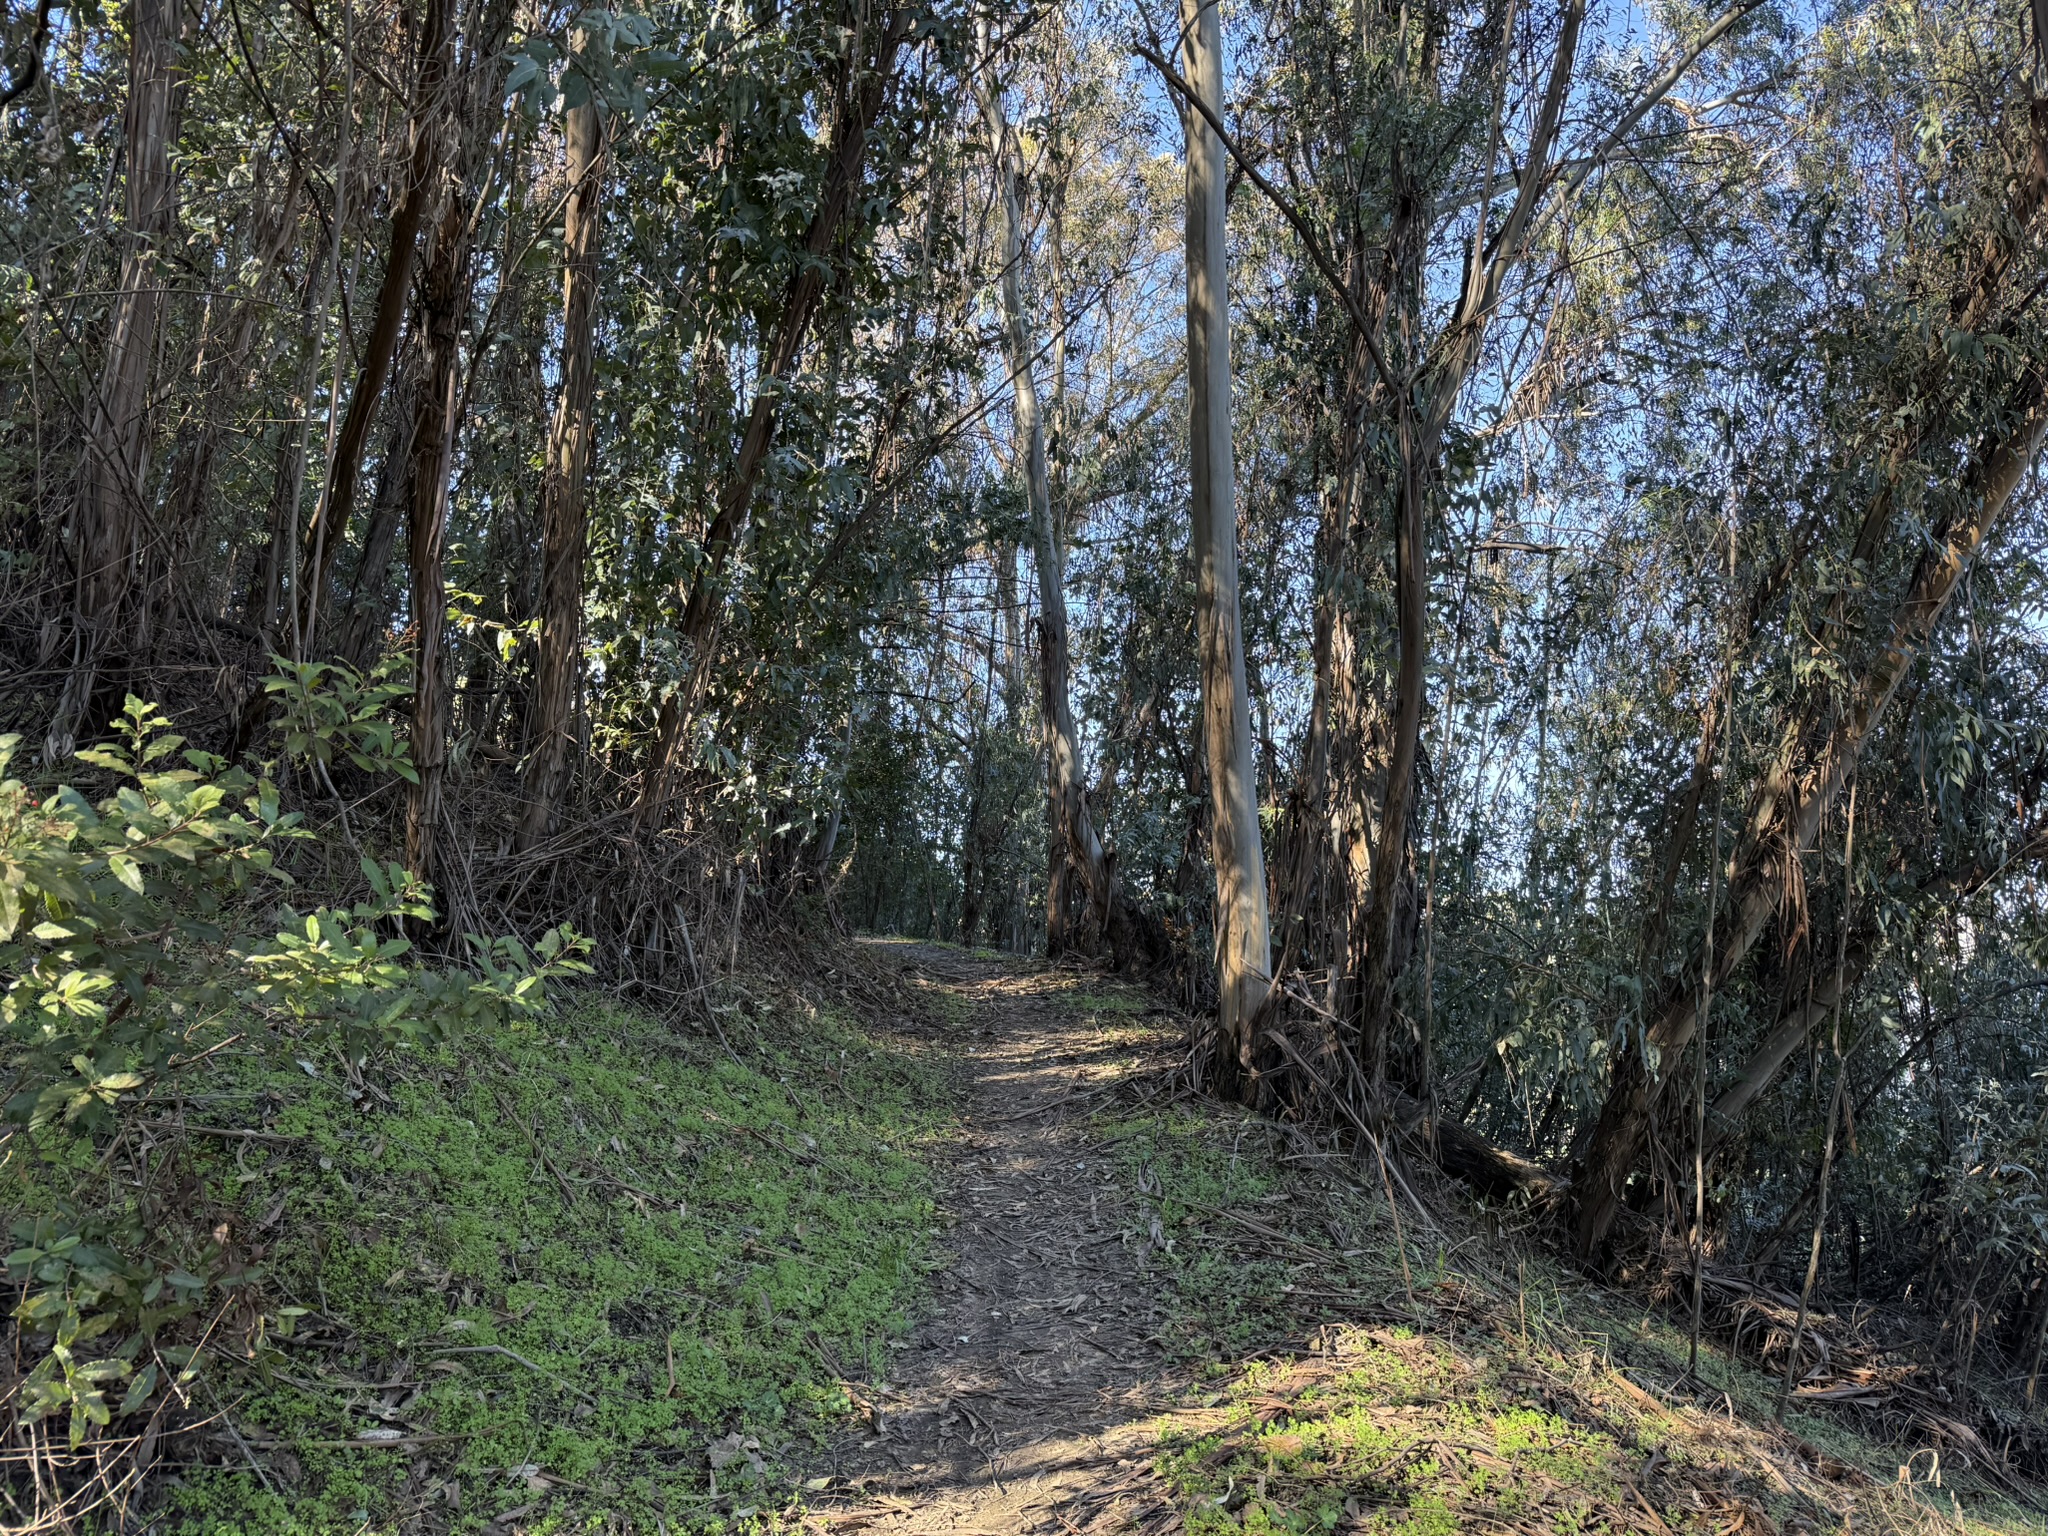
pixel 1025 1396
pixel 920 1242
pixel 1158 1315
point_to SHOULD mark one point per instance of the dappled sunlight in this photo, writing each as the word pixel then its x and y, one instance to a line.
pixel 1151 1323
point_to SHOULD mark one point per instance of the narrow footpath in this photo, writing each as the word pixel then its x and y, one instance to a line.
pixel 1023 1400
pixel 1056 1363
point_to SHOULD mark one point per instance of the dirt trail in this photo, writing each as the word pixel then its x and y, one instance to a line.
pixel 1022 1402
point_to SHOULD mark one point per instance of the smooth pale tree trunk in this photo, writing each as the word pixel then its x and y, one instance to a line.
pixel 1076 848
pixel 329 528
pixel 1787 809
pixel 1364 761
pixel 1243 945
pixel 564 530
pixel 106 532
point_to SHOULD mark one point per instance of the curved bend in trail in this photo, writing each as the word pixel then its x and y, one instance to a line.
pixel 1023 1400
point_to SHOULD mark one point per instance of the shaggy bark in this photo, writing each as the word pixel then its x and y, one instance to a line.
pixel 107 528
pixel 565 534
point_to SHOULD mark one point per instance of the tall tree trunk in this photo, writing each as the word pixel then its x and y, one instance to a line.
pixel 861 95
pixel 1364 761
pixel 979 834
pixel 444 304
pixel 107 526
pixel 1075 846
pixel 1786 810
pixel 564 533
pixel 329 527
pixel 431 456
pixel 1243 945
pixel 1391 886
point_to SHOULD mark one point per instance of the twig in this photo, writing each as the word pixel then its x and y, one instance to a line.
pixel 514 1355
pixel 1272 1233
pixel 397 1443
pixel 235 1434
pixel 568 1189
pixel 269 1137
pixel 1353 1116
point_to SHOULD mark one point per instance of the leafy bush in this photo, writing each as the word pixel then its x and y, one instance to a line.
pixel 131 929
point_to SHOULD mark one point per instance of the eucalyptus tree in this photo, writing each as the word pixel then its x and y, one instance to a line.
pixel 340 269
pixel 860 85
pixel 109 528
pixel 564 537
pixel 1421 224
pixel 1077 851
pixel 1243 945
pixel 1950 431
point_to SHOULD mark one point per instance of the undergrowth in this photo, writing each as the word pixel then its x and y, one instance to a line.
pixel 582 1267
pixel 1215 1196
pixel 1465 1383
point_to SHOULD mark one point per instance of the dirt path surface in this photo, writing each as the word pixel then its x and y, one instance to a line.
pixel 1023 1402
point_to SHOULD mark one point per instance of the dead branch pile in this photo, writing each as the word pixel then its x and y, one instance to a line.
pixel 1869 1363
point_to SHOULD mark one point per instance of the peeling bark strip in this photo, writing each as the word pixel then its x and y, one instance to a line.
pixel 107 526
pixel 1788 808
pixel 861 95
pixel 1243 944
pixel 565 535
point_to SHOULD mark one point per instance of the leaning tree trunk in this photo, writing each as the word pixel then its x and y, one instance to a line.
pixel 1771 1055
pixel 564 533
pixel 1787 807
pixel 106 529
pixel 329 528
pixel 365 614
pixel 1786 811
pixel 1243 946
pixel 862 95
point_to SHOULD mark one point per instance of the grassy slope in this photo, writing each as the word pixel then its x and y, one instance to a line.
pixel 713 1239
pixel 1508 1394
pixel 582 1250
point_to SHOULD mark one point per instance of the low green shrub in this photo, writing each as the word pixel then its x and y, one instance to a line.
pixel 141 931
